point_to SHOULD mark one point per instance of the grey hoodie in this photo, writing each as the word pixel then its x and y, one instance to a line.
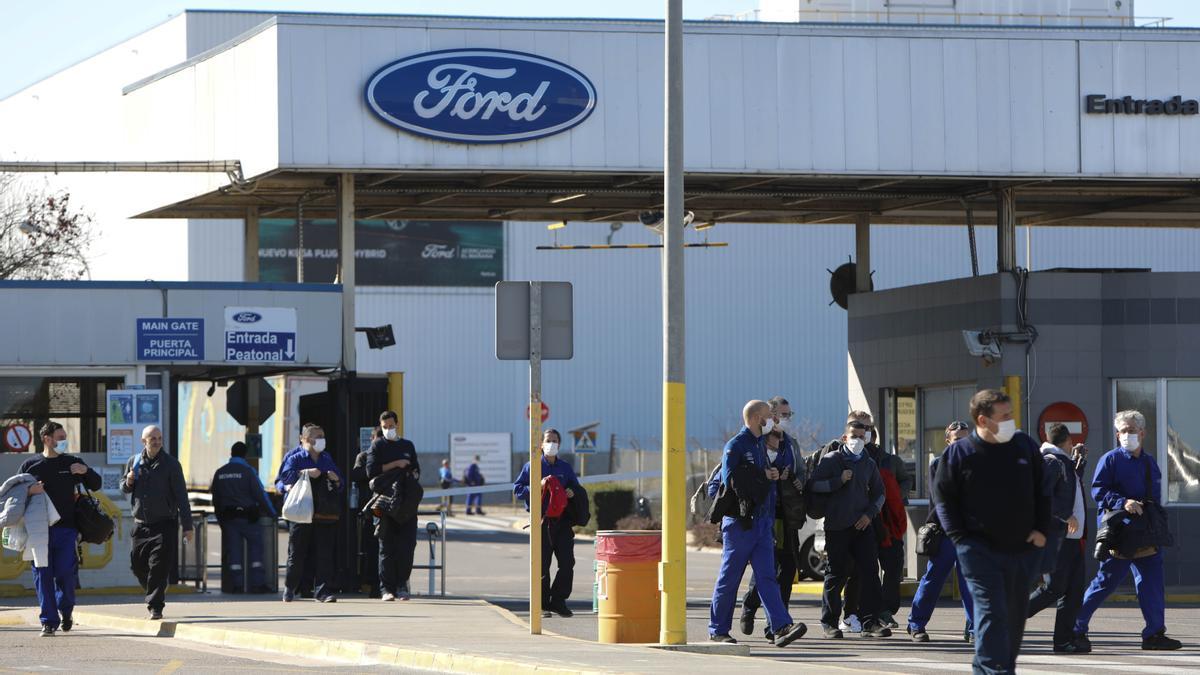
pixel 862 496
pixel 29 514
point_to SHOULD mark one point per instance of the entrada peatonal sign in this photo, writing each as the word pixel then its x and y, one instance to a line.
pixel 481 95
pixel 1099 104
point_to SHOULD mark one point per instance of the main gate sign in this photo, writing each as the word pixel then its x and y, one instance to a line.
pixel 481 95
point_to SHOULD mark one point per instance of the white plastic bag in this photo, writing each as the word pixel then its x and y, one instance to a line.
pixel 298 506
pixel 14 537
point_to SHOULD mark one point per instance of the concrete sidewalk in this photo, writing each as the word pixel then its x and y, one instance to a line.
pixel 449 635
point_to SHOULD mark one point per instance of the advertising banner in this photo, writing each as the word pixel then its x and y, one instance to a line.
pixel 390 252
pixel 494 451
pixel 128 412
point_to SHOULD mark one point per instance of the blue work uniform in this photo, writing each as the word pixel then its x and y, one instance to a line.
pixel 787 545
pixel 317 538
pixel 558 537
pixel 740 546
pixel 474 478
pixel 937 570
pixel 239 501
pixel 1121 476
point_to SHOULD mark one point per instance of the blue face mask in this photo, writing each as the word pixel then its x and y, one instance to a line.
pixel 61 446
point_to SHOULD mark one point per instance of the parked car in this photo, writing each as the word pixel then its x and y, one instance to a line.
pixel 813 561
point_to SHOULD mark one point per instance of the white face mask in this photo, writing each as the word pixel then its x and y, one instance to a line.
pixel 319 445
pixel 768 426
pixel 784 423
pixel 390 434
pixel 550 449
pixel 856 445
pixel 868 437
pixel 1008 429
pixel 61 446
pixel 1129 441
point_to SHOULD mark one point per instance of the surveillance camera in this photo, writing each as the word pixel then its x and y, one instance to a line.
pixel 979 344
pixel 654 219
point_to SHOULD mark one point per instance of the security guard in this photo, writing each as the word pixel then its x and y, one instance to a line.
pixel 239 500
pixel 755 545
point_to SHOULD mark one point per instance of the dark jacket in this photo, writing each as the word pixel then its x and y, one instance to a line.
pixel 1058 483
pixel 863 495
pixel 60 484
pixel 238 493
pixel 992 491
pixel 384 452
pixel 159 493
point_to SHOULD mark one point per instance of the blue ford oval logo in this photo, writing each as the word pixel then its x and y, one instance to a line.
pixel 481 95
pixel 247 317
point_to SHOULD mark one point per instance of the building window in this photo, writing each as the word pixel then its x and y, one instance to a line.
pixel 1173 437
pixel 938 408
pixel 75 402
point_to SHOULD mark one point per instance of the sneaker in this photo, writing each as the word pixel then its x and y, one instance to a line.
pixel 1073 648
pixel 887 620
pixel 288 595
pixel 874 629
pixel 156 615
pixel 480 513
pixel 725 638
pixel 832 633
pixel 67 624
pixel 769 636
pixel 328 598
pixel 918 635
pixel 746 624
pixel 1160 642
pixel 47 630
pixel 561 609
pixel 546 614
pixel 1081 640
pixel 389 597
pixel 968 637
pixel 403 596
pixel 851 624
pixel 470 512
pixel 789 634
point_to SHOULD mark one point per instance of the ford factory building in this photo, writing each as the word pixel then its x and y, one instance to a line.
pixel 944 153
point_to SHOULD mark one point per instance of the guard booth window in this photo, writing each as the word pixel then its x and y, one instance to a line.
pixel 900 431
pixel 939 406
pixel 75 402
pixel 1172 430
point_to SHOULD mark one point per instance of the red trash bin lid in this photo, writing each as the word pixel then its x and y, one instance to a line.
pixel 629 545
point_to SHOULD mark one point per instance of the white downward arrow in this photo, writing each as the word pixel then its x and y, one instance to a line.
pixel 290 352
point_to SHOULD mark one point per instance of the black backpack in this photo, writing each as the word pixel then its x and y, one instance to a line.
pixel 815 503
pixel 578 511
pixel 92 523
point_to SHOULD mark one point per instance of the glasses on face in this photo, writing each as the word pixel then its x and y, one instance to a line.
pixel 957 426
pixel 784 415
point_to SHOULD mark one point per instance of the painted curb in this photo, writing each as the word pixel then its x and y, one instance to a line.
pixel 342 651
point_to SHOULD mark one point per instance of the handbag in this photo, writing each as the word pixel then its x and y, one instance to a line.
pixel 93 524
pixel 298 505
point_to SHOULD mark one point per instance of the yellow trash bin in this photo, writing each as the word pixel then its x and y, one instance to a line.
pixel 627 584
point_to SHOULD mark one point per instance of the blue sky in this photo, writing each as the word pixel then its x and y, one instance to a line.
pixel 42 37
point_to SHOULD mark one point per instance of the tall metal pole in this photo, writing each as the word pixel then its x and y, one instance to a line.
pixel 673 568
pixel 535 458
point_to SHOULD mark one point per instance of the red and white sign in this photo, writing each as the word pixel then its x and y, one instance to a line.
pixel 17 438
pixel 545 412
pixel 1064 413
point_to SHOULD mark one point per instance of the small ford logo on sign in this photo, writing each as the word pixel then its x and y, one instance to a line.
pixel 247 317
pixel 481 95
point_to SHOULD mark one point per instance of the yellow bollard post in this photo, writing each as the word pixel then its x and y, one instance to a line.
pixel 1012 387
pixel 673 568
pixel 396 399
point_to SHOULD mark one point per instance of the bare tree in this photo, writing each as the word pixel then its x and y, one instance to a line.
pixel 41 236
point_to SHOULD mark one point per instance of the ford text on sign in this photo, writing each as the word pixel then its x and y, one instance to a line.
pixel 481 95
pixel 170 339
pixel 260 334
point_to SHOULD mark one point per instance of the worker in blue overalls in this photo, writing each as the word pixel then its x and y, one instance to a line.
pixel 754 545
pixel 558 537
pixel 1120 483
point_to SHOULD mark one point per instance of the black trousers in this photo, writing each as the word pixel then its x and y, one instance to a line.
pixel 317 540
pixel 1065 589
pixel 851 553
pixel 786 555
pixel 891 561
pixel 558 540
pixel 153 559
pixel 368 555
pixel 397 542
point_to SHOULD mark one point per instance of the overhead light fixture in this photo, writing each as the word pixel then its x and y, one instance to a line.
pixel 705 226
pixel 557 226
pixel 212 388
pixel 566 198
pixel 378 337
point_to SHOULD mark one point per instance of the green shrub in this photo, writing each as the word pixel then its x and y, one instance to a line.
pixel 610 502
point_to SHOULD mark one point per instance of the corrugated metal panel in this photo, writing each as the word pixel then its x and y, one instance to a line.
pixel 215 250
pixel 206 30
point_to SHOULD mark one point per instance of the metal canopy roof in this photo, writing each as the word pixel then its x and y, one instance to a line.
pixel 748 198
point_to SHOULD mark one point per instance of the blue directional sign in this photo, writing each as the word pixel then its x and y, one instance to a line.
pixel 170 339
pixel 260 334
